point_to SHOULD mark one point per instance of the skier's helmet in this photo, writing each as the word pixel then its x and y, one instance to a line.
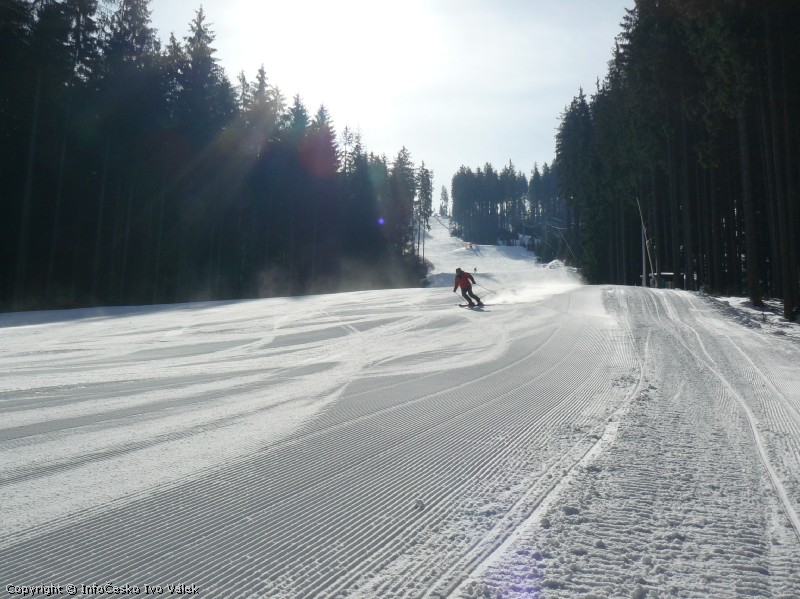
pixel 458 271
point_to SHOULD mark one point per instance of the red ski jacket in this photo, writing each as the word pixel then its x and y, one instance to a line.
pixel 463 280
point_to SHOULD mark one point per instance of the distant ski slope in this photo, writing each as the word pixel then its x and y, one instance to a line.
pixel 568 440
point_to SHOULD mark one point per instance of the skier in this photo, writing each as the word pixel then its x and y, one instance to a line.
pixel 465 280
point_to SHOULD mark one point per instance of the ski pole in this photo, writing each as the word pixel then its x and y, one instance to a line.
pixel 487 289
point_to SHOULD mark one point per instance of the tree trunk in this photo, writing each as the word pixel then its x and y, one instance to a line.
pixel 780 195
pixel 655 219
pixel 99 227
pixel 701 211
pixel 733 279
pixel 123 283
pixel 20 275
pixel 750 236
pixel 677 278
pixel 716 232
pixel 57 210
pixel 686 204
pixel 769 173
pixel 159 248
pixel 791 195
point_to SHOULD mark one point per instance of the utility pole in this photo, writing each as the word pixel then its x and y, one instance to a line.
pixel 644 259
pixel 645 248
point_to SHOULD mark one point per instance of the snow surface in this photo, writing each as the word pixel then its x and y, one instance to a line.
pixel 564 441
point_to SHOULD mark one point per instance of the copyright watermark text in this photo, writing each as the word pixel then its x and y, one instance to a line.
pixel 51 590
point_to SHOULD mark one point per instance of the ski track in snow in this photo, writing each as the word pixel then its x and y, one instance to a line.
pixel 684 502
pixel 566 441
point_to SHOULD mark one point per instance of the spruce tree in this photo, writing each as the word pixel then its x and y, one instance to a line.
pixel 444 202
pixel 400 202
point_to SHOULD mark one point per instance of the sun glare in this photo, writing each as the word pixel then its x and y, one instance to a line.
pixel 350 53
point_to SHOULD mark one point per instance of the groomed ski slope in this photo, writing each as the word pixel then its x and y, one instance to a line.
pixel 565 441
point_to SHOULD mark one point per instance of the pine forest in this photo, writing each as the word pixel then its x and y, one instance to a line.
pixel 135 171
pixel 684 164
pixel 139 173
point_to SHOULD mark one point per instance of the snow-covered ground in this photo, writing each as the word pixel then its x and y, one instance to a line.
pixel 769 317
pixel 564 441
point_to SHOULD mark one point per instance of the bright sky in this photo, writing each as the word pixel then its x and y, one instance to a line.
pixel 455 81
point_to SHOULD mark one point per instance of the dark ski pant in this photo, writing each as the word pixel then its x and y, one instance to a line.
pixel 467 292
